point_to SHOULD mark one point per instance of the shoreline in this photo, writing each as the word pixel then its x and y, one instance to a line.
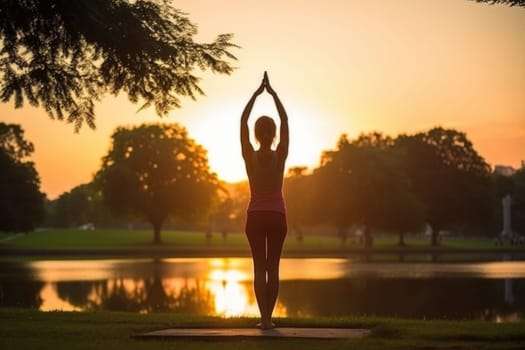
pixel 204 252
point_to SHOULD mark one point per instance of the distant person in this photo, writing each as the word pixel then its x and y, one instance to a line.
pixel 266 216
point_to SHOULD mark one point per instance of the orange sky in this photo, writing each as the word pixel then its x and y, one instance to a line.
pixel 340 67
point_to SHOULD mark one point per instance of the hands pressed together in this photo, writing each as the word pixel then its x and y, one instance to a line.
pixel 265 84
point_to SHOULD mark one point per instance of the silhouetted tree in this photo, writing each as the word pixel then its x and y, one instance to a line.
pixel 13 143
pixel 299 196
pixel 502 185
pixel 505 2
pixel 400 210
pixel 239 194
pixel 375 140
pixel 335 190
pixel 514 186
pixel 21 202
pixel 518 202
pixel 18 286
pixel 65 55
pixel 156 171
pixel 449 176
pixel 363 183
pixel 222 212
pixel 74 208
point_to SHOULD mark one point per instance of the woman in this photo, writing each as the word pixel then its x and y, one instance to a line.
pixel 266 216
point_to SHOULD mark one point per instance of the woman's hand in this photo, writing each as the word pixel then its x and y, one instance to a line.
pixel 267 85
pixel 260 89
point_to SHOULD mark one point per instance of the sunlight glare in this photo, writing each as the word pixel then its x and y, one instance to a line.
pixel 218 132
pixel 230 295
pixel 228 283
pixel 52 302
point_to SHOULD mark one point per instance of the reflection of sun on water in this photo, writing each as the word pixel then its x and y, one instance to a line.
pixel 231 289
pixel 230 294
pixel 222 288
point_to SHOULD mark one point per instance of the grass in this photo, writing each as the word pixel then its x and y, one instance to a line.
pixel 72 242
pixel 72 238
pixel 30 329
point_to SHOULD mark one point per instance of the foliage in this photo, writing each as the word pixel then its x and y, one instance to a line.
pixel 156 171
pixel 502 186
pixel 518 202
pixel 21 202
pixel 505 2
pixel 13 144
pixel 449 176
pixel 396 185
pixel 298 194
pixel 66 55
pixel 231 211
pixel 221 213
pixel 363 183
pixel 81 205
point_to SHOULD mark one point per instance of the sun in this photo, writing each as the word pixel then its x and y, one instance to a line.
pixel 218 132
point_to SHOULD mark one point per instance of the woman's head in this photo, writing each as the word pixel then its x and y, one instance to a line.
pixel 265 130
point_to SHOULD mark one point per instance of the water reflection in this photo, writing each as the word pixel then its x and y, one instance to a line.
pixel 18 288
pixel 310 287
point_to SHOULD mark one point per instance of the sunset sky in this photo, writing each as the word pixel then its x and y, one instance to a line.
pixel 339 66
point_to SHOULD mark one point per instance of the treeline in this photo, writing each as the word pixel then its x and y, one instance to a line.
pixel 401 185
pixel 432 180
pixel 156 176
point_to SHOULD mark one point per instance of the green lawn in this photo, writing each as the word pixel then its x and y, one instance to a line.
pixel 29 329
pixel 72 238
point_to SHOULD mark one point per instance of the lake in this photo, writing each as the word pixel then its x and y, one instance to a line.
pixel 492 291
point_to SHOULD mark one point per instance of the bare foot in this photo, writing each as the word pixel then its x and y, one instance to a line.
pixel 265 325
pixel 270 325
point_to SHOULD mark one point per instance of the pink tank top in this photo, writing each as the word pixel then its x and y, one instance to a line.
pixel 266 183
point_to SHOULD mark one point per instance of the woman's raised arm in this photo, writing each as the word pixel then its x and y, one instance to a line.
pixel 282 148
pixel 247 148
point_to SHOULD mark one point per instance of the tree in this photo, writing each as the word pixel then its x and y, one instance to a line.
pixel 334 198
pixel 73 208
pixel 298 194
pixel 21 202
pixel 399 210
pixel 23 291
pixel 221 214
pixel 239 194
pixel 65 55
pixel 514 186
pixel 518 202
pixel 505 2
pixel 502 185
pixel 156 171
pixel 363 183
pixel 449 176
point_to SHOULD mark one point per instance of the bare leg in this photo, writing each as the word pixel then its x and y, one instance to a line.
pixel 275 242
pixel 266 233
pixel 261 288
pixel 257 239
